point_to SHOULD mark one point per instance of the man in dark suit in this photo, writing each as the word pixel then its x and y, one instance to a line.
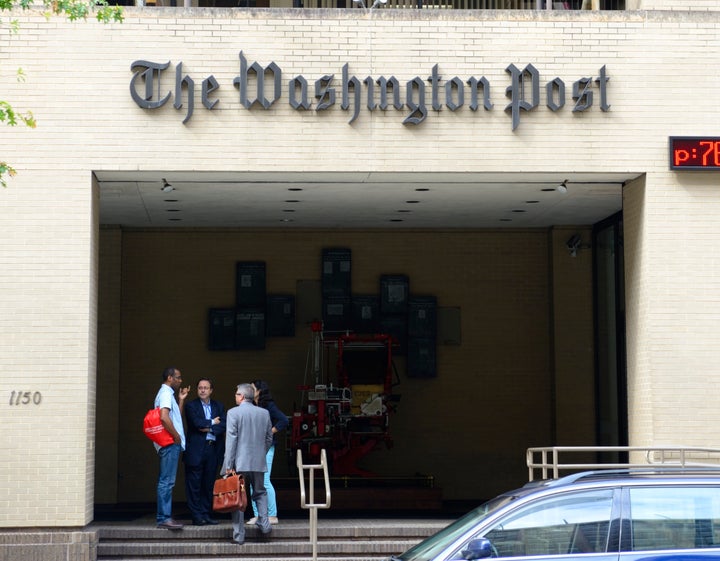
pixel 204 451
pixel 249 437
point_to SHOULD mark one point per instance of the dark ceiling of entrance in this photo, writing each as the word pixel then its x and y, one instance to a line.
pixel 362 200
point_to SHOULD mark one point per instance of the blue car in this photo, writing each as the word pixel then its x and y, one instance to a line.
pixel 650 514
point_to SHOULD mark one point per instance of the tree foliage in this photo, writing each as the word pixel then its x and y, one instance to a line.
pixel 72 9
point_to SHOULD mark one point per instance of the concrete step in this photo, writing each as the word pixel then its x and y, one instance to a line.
pixel 338 540
pixel 252 557
pixel 182 549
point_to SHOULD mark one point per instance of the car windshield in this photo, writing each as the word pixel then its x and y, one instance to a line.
pixel 432 546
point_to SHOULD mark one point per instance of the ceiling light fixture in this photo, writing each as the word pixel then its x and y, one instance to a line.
pixel 166 187
pixel 562 188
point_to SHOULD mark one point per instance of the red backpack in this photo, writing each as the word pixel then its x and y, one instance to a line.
pixel 155 430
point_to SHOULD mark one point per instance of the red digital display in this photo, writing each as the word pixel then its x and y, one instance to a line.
pixel 695 152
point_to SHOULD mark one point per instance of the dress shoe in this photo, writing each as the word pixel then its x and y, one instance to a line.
pixel 170 524
pixel 252 521
pixel 211 521
pixel 273 519
pixel 238 543
pixel 200 522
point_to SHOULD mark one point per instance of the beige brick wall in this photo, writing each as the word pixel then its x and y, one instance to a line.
pixel 77 85
pixel 47 348
pixel 677 302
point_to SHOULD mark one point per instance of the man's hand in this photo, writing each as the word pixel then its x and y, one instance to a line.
pixel 184 393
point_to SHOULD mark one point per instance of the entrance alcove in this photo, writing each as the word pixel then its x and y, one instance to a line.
pixel 491 248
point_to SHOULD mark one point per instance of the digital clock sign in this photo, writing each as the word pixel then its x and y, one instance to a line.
pixel 695 152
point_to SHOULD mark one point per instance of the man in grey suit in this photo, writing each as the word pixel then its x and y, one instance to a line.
pixel 248 437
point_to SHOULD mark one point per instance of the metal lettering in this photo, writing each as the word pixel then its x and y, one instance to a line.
pixel 582 94
pixel 516 91
pixel 189 86
pixel 21 397
pixel 602 81
pixel 149 72
pixel 299 83
pixel 209 85
pixel 474 83
pixel 324 93
pixel 556 85
pixel 434 80
pixel 242 81
pixel 395 86
pixel 457 85
pixel 357 91
pixel 418 111
pixel 523 91
pixel 370 85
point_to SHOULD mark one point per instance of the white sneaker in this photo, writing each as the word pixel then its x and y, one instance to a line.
pixel 253 520
pixel 273 519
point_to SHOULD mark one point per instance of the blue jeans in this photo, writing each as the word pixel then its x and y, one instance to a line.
pixel 169 456
pixel 272 504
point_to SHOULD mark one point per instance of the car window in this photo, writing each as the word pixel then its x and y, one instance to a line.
pixel 431 547
pixel 571 523
pixel 674 517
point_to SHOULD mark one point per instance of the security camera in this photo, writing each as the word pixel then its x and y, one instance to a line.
pixel 573 244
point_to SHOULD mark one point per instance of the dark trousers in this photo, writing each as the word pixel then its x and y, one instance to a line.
pixel 199 481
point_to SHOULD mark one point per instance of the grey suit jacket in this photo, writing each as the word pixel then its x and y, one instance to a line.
pixel 248 437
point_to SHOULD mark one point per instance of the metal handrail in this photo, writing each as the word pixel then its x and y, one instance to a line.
pixel 312 506
pixel 678 456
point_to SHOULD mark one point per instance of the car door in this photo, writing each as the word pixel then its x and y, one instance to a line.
pixel 571 525
pixel 671 522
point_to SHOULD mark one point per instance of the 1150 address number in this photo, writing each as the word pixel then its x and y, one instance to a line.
pixel 25 398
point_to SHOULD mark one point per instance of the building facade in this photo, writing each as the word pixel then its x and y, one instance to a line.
pixel 97 295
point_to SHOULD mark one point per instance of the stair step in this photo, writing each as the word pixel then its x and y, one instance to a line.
pixel 328 529
pixel 338 540
pixel 183 548
pixel 255 557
